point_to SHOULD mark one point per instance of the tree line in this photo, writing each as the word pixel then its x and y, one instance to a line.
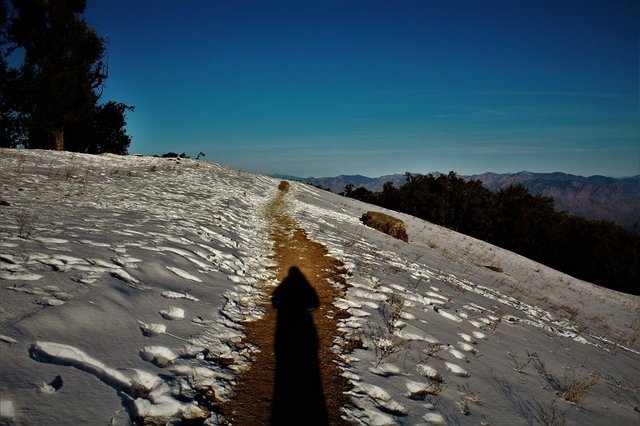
pixel 596 251
pixel 52 72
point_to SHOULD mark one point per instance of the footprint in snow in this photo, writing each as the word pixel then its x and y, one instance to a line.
pixel 51 387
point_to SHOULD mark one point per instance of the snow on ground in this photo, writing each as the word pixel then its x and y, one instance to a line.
pixel 457 331
pixel 124 281
pixel 131 267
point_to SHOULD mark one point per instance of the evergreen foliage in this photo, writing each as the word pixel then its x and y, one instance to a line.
pixel 50 101
pixel 9 122
pixel 597 251
pixel 103 131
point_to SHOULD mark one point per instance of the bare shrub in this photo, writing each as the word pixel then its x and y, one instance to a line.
pixel 20 163
pixel 572 313
pixel 464 407
pixel 391 311
pixel 575 390
pixel 531 409
pixel 385 345
pixel 432 350
pixel 632 337
pixel 548 416
pixel 26 221
pixel 469 395
pixel 70 172
pixel 570 388
pixel 375 282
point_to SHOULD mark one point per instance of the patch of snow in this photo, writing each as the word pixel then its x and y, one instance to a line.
pixel 7 339
pixel 184 274
pixel 173 313
pixel 7 411
pixel 428 371
pixel 179 295
pixel 158 355
pixel 152 329
pixel 456 369
pixel 19 276
pixel 434 419
pixel 58 353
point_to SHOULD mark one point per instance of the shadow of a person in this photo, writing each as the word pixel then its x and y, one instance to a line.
pixel 297 393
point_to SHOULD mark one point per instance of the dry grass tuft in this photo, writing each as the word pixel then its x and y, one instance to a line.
pixel 575 390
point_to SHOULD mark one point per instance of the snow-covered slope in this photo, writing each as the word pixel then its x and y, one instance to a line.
pixel 125 280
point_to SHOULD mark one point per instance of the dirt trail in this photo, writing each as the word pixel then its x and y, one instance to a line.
pixel 254 391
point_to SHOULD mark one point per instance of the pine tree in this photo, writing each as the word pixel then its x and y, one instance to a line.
pixel 63 68
pixel 9 124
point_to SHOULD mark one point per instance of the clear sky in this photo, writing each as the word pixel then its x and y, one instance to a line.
pixel 321 88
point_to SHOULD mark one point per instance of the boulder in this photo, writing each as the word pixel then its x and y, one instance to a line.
pixel 384 223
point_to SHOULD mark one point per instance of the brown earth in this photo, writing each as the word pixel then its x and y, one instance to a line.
pixel 388 224
pixel 254 391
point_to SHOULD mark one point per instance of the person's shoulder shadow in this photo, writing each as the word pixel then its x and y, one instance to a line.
pixel 298 394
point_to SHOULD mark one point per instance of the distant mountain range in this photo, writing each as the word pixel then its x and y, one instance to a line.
pixel 594 197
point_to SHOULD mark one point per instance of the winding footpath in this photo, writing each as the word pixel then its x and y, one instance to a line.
pixel 254 393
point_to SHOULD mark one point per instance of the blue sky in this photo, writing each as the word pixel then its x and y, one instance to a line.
pixel 321 88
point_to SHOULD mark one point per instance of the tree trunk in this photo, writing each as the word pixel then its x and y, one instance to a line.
pixel 58 136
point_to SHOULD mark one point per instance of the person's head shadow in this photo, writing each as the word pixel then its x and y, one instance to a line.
pixel 298 394
pixel 295 294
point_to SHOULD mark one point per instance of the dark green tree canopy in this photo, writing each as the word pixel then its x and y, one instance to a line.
pixel 9 123
pixel 57 86
pixel 104 131
pixel 63 66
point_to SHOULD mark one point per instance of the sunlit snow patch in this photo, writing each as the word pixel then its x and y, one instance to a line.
pixel 7 339
pixel 381 398
pixel 456 369
pixel 22 276
pixel 7 411
pixel 158 355
pixel 434 419
pixel 181 295
pixel 58 353
pixel 172 313
pixel 150 330
pixel 183 274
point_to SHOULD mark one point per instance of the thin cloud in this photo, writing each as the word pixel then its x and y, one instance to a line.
pixel 554 93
